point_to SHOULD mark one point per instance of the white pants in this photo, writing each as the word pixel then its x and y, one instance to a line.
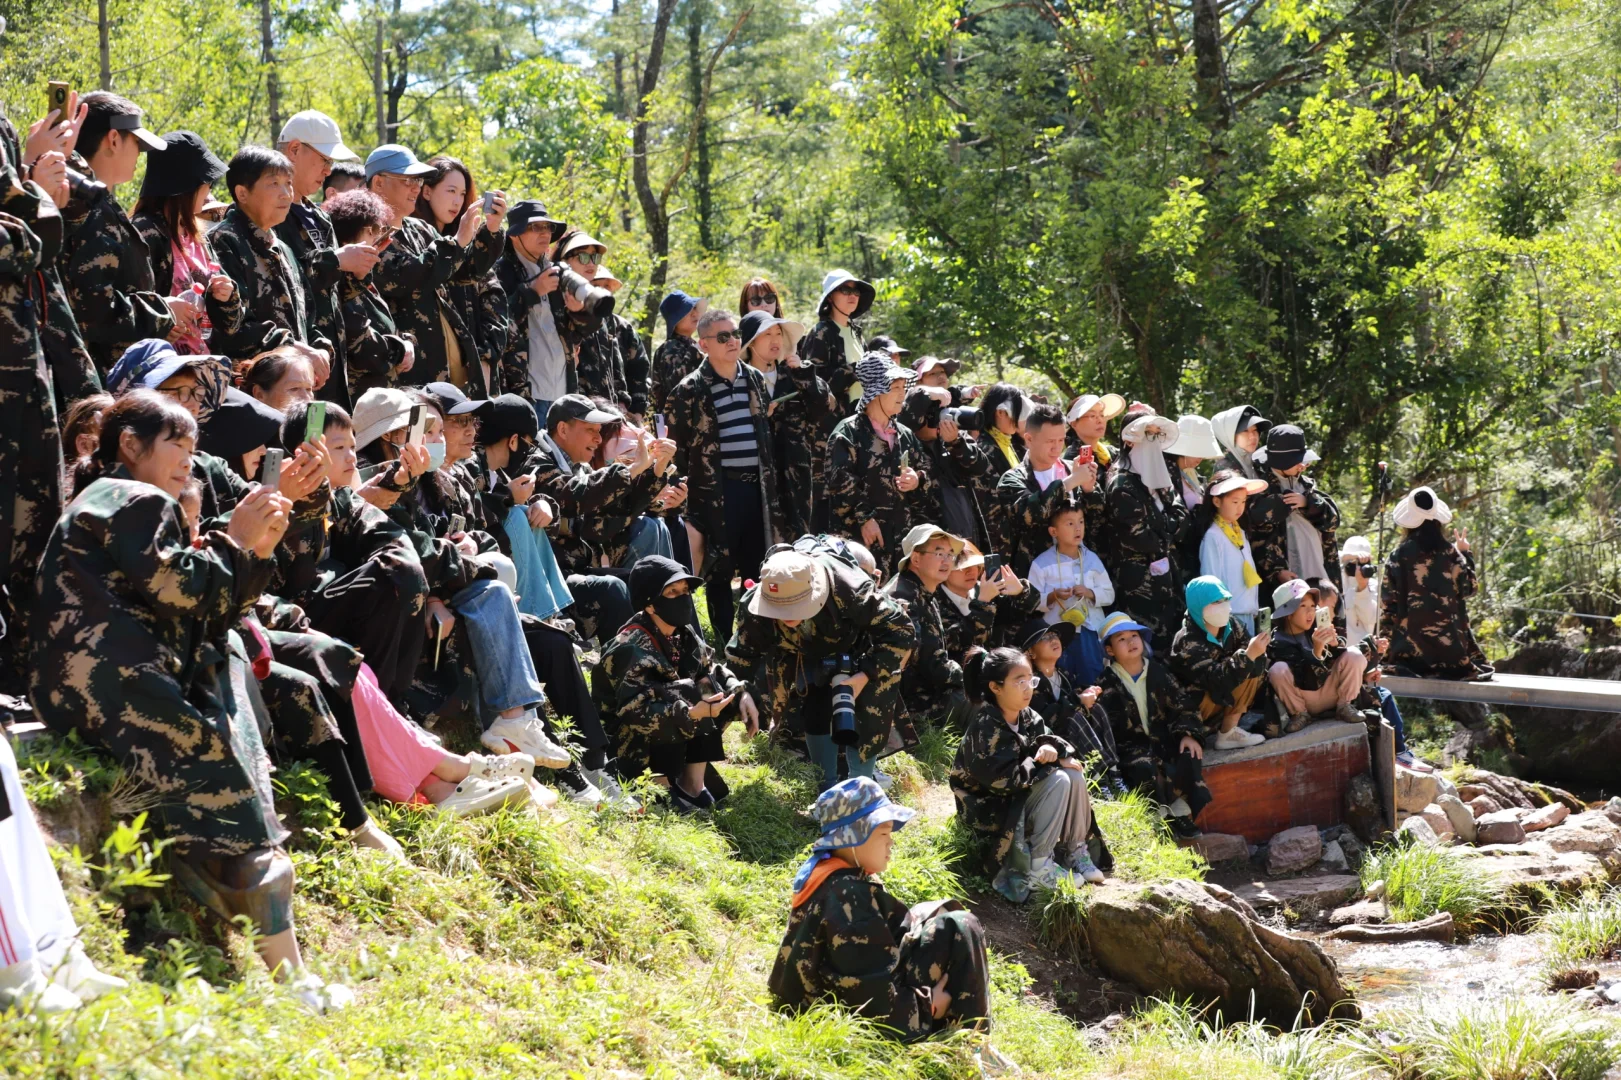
pixel 35 921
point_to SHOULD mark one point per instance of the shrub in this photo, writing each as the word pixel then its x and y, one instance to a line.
pixel 1423 880
pixel 1587 929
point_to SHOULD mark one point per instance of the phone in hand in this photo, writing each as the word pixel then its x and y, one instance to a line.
pixel 489 202
pixel 56 97
pixel 315 421
pixel 458 524
pixel 993 566
pixel 417 427
pixel 660 431
pixel 1084 455
pixel 789 396
pixel 1324 617
pixel 1263 621
pixel 270 468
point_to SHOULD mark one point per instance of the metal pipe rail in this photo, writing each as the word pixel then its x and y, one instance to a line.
pixel 1526 691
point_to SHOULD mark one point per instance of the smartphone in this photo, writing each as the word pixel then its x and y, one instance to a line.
pixel 489 202
pixel 660 431
pixel 270 469
pixel 458 524
pixel 417 427
pixel 1324 617
pixel 315 421
pixel 56 97
pixel 993 565
pixel 789 396
pixel 382 245
pixel 1263 621
pixel 1084 455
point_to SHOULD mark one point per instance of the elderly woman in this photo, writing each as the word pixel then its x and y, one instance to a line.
pixel 131 652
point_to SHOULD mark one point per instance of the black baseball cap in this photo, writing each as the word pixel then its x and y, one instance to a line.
pixel 452 402
pixel 527 212
pixel 1285 447
pixel 506 416
pixel 651 575
pixel 579 407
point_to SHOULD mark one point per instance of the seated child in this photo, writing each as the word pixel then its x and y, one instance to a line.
pixel 1375 647
pixel 1216 659
pixel 1311 671
pixel 916 971
pixel 1156 728
pixel 1224 550
pixel 1072 716
pixel 1018 782
pixel 1073 587
pixel 982 611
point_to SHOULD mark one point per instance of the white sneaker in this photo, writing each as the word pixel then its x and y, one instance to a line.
pixel 23 986
pixel 1180 808
pixel 589 795
pixel 370 836
pixel 525 734
pixel 476 795
pixel 1237 739
pixel 612 793
pixel 77 974
pixel 317 995
pixel 500 766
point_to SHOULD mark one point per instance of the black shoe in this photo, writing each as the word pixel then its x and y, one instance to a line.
pixel 691 804
pixel 1183 828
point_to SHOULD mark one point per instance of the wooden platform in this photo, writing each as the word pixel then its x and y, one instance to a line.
pixel 1298 779
pixel 1503 688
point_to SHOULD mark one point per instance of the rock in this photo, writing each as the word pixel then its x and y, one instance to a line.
pixel 1415 790
pixel 1444 785
pixel 1467 746
pixel 1363 813
pixel 1567 743
pixel 1612 809
pixel 1529 870
pixel 1467 791
pixel 1304 895
pixel 1459 815
pixel 1360 913
pixel 1506 791
pixel 1180 937
pixel 1592 832
pixel 1435 928
pixel 1221 847
pixel 1376 891
pixel 1439 821
pixel 1419 830
pixel 1481 805
pixel 1353 849
pixel 1503 827
pixel 1333 860
pixel 1546 818
pixel 1612 993
pixel 1293 850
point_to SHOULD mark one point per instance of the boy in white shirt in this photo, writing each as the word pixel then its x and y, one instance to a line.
pixel 1075 588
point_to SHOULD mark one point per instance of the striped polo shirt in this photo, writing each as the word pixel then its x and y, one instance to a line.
pixel 738 449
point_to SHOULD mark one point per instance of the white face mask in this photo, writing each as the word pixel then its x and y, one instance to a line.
pixel 1218 613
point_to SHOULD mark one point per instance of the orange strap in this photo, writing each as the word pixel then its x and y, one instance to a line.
pixel 823 871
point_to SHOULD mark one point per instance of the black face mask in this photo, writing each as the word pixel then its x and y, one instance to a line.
pixel 672 609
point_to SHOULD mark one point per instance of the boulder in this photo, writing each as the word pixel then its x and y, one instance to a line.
pixel 1184 938
pixel 1333 860
pixel 1221 847
pixel 1293 850
pixel 1546 818
pixel 1353 850
pixel 1459 815
pixel 1360 913
pixel 1415 790
pixel 1439 821
pixel 1363 815
pixel 1302 895
pixel 1481 805
pixel 1612 809
pixel 1528 871
pixel 1503 827
pixel 1438 927
pixel 1419 830
pixel 1592 832
pixel 1569 744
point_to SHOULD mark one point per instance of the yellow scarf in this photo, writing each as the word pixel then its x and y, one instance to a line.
pixel 1231 531
pixel 1101 453
pixel 1005 441
pixel 1138 689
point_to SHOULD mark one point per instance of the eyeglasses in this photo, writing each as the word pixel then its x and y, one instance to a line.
pixel 186 395
pixel 462 422
pixel 946 554
pixel 408 181
pixel 766 298
pixel 849 288
pixel 724 337
pixel 590 258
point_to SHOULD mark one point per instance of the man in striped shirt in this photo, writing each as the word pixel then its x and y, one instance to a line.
pixel 717 417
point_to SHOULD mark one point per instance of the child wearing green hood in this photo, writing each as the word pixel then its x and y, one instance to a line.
pixel 1218 661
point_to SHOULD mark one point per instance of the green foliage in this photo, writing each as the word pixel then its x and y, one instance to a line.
pixel 58 769
pixel 1143 850
pixel 1423 880
pixel 304 797
pixel 1585 930
pixel 1513 1039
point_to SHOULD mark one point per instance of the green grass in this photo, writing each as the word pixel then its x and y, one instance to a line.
pixel 1421 881
pixel 56 769
pixel 1143 850
pixel 1584 930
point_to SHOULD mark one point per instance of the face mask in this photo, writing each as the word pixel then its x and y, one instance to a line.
pixel 672 609
pixel 436 455
pixel 1218 613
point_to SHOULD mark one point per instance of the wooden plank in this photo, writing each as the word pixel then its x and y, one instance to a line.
pixel 1299 779
pixel 1504 688
pixel 1384 772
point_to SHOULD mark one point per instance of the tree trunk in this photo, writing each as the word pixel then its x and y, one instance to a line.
pixel 702 198
pixel 267 57
pixel 1209 70
pixel 104 31
pixel 653 214
pixel 622 113
pixel 378 101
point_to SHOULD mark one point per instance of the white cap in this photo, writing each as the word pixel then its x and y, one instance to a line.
pixel 318 131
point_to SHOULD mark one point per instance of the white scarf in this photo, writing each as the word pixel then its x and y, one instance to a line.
pixel 1305 542
pixel 961 602
pixel 1148 462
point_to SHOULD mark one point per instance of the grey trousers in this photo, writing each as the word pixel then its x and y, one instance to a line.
pixel 1049 836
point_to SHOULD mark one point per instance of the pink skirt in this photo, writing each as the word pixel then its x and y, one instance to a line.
pixel 400 754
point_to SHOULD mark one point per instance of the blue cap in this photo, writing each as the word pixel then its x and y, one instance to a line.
pixel 677 306
pixel 1119 622
pixel 147 364
pixel 1201 592
pixel 394 158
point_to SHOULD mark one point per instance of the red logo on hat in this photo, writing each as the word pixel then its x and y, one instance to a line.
pixel 771 587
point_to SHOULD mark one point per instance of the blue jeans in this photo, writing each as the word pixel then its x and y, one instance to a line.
pixel 541 409
pixel 825 753
pixel 649 535
pixel 506 674
pixel 1387 705
pixel 542 590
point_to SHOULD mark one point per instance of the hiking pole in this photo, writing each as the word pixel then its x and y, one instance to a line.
pixel 1384 489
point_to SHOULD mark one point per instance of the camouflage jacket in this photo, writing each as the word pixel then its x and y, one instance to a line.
pixel 514 279
pixel 932 674
pixel 861 472
pixel 308 234
pixel 412 277
pixel 1214 668
pixel 859 621
pixel 799 429
pixel 638 367
pixel 1143 531
pixel 222 488
pixel 823 349
pixel 673 361
pixel 1094 503
pixel 1266 519
pixel 647 684
pixel 345 533
pixel 989 625
pixel 160 246
pixel 372 345
pixel 1172 712
pixel 695 426
pixel 595 507
pixel 1423 611
pixel 272 291
pixel 843 945
pixel 995 768
pixel 1310 671
pixel 1021 512
pixel 961 464
pixel 130 652
pixel 600 368
pixel 108 273
pixel 479 300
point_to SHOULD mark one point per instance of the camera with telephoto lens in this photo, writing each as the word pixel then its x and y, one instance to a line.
pixel 842 724
pixel 596 304
pixel 967 417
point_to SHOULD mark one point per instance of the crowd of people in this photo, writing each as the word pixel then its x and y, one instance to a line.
pixel 308 458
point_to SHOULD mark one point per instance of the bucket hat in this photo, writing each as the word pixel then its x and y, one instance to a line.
pixel 833 279
pixel 793 585
pixel 1420 505
pixel 877 372
pixel 1196 438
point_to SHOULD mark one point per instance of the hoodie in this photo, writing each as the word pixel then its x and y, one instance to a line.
pixel 1225 424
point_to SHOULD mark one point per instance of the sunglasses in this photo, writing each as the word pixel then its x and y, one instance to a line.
pixel 588 257
pixel 725 337
pixel 762 298
pixel 848 289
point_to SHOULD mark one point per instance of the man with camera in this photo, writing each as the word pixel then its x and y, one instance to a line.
pixel 539 361
pixel 957 464
pixel 825 646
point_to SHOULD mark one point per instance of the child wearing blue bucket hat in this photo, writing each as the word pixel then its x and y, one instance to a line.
pixel 850 942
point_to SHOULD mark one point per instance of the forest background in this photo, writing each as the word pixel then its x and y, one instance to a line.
pixel 1390 221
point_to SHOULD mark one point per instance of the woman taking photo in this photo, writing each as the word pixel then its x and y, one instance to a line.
pixel 472 292
pixel 599 365
pixel 118 659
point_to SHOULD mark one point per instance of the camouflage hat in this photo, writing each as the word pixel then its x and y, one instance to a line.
pixel 877 372
pixel 793 585
pixel 850 810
